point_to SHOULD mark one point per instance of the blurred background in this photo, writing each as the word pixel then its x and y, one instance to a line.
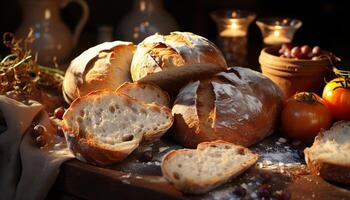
pixel 325 22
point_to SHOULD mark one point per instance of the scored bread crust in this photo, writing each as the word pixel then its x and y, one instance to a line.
pixel 175 58
pixel 240 106
pixel 332 170
pixel 193 186
pixel 187 124
pixel 105 66
pixel 87 149
pixel 143 89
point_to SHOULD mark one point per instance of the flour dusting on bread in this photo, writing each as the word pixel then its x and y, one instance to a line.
pixel 189 93
pixel 210 165
pixel 236 106
pixel 228 100
pixel 186 47
pixel 187 99
pixel 172 60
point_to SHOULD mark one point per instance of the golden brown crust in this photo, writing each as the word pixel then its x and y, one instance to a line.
pixel 218 122
pixel 330 171
pixel 100 67
pixel 186 120
pixel 172 60
pixel 85 149
pixel 187 136
pixel 326 162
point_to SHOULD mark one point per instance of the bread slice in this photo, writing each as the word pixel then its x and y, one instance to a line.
pixel 146 92
pixel 329 157
pixel 210 165
pixel 105 127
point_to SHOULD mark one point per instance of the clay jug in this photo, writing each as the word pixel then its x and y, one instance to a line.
pixel 53 42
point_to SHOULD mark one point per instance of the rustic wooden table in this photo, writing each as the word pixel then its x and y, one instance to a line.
pixel 280 167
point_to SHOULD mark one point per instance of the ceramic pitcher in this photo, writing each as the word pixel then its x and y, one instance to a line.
pixel 146 18
pixel 53 40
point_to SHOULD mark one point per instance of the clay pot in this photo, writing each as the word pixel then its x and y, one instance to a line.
pixel 53 41
pixel 295 75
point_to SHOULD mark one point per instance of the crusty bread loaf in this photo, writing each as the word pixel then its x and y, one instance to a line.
pixel 212 164
pixel 240 106
pixel 104 127
pixel 329 157
pixel 146 92
pixel 105 66
pixel 170 61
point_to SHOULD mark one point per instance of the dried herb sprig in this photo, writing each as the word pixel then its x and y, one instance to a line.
pixel 19 72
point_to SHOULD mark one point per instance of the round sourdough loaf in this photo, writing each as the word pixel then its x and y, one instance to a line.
pixel 105 66
pixel 172 60
pixel 239 106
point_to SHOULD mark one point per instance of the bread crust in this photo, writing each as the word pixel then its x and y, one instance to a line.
pixel 186 120
pixel 327 169
pixel 192 186
pixel 100 67
pixel 172 60
pixel 217 120
pixel 86 149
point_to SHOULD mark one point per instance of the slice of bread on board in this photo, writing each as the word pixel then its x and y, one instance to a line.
pixel 329 157
pixel 205 168
pixel 104 127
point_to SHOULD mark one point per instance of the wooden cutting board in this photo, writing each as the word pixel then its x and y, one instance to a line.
pixel 280 169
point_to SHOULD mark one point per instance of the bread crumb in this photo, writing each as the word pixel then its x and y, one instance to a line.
pixel 126 181
pixel 127 175
pixel 253 195
pixel 282 140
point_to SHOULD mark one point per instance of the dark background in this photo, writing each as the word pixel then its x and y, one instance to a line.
pixel 325 22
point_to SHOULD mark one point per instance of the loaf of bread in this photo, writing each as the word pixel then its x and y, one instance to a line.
pixel 105 66
pixel 241 106
pixel 146 92
pixel 172 60
pixel 104 127
pixel 328 157
pixel 210 165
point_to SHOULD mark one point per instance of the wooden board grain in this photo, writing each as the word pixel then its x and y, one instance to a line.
pixel 279 168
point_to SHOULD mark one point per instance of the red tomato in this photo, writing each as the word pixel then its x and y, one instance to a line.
pixel 304 115
pixel 337 97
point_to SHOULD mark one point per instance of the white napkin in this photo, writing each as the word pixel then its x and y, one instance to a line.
pixel 26 171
